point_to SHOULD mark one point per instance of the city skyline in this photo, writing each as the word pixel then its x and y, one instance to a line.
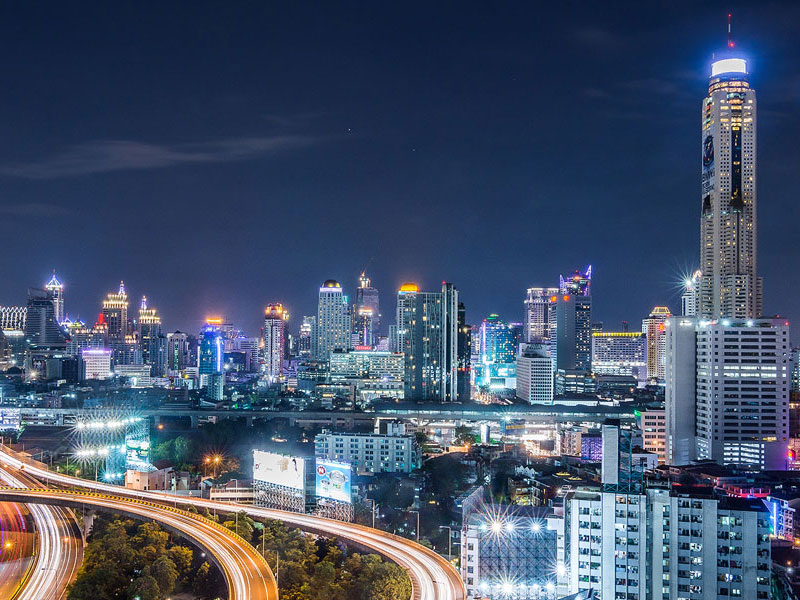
pixel 60 182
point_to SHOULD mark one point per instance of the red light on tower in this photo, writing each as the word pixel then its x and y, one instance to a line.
pixel 553 298
pixel 566 298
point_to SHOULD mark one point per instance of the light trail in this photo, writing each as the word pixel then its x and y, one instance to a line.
pixel 432 577
pixel 59 553
pixel 247 575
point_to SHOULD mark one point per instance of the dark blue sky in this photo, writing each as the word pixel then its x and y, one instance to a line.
pixel 220 157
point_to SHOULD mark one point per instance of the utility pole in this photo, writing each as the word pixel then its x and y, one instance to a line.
pixel 416 511
pixel 449 541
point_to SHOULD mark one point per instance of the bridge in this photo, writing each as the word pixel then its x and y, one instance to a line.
pixel 451 412
pixel 246 573
pixel 432 577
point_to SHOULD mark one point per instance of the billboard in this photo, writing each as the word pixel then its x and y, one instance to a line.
pixel 278 469
pixel 334 480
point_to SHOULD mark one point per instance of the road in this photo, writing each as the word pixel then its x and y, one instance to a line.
pixel 17 545
pixel 432 577
pixel 58 551
pixel 246 573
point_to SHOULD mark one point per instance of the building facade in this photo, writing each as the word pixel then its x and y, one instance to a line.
pixel 655 330
pixel 370 452
pixel 334 324
pixel 537 313
pixel 274 342
pixel 619 353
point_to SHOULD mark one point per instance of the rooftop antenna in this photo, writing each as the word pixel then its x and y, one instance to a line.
pixel 730 36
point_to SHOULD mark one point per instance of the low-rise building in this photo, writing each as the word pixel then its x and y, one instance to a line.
pixel 370 452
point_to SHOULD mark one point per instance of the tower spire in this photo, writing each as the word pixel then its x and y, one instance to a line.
pixel 730 35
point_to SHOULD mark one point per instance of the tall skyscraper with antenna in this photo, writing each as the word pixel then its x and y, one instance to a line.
pixel 730 286
pixel 56 291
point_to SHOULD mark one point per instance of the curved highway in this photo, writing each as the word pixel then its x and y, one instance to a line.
pixel 246 573
pixel 432 577
pixel 59 550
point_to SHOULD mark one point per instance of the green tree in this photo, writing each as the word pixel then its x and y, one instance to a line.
pixel 182 558
pixel 165 573
pixel 202 581
pixel 144 588
pixel 463 435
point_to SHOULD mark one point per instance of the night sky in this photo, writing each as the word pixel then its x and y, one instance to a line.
pixel 219 157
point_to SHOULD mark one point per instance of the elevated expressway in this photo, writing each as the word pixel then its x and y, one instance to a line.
pixel 432 577
pixel 46 558
pixel 246 573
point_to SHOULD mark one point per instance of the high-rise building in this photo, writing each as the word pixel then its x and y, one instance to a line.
pixel 96 363
pixel 730 286
pixel 497 341
pixel 152 340
pixel 210 360
pixel 42 331
pixel 12 318
pixel 115 316
pixel 306 333
pixel 334 322
pixel 427 326
pixel 464 383
pixel 274 338
pixel 619 353
pixel 367 297
pixel 364 327
pixel 570 322
pixel 727 392
pixel 537 313
pixel 690 296
pixel 56 290
pixel 535 375
pixel 653 327
pixel 177 351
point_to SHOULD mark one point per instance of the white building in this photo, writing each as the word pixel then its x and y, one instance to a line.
pixel 537 312
pixel 366 364
pixel 370 452
pixel 653 423
pixel 333 326
pixel 619 353
pixel 535 375
pixel 655 330
pixel 96 363
pixel 736 387
pixel 730 286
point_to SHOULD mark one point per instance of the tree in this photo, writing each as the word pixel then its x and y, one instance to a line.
pixel 164 572
pixel 182 558
pixel 464 435
pixel 201 583
pixel 144 588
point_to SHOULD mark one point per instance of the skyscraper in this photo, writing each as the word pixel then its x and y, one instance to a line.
pixel 334 322
pixel 537 303
pixel 152 340
pixel 653 326
pixel 115 316
pixel 428 328
pixel 177 351
pixel 367 297
pixel 274 338
pixel 730 286
pixel 42 331
pixel 464 384
pixel 210 359
pixel 570 322
pixel 56 290
pixel 306 333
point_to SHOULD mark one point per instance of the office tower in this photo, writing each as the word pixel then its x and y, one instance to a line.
pixel 653 326
pixel 537 303
pixel 464 383
pixel 152 340
pixel 274 337
pixel 115 314
pixel 210 359
pixel 619 353
pixel 251 349
pixel 427 326
pixel 367 297
pixel 304 339
pixel 535 375
pixel 6 356
pixel 727 392
pixel 56 291
pixel 363 327
pixel 570 322
pixel 334 322
pixel 497 341
pixel 690 296
pixel 743 392
pixel 680 390
pixel 96 363
pixel 42 331
pixel 730 286
pixel 177 351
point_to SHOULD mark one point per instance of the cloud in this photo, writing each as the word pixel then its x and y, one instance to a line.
pixel 103 156
pixel 32 209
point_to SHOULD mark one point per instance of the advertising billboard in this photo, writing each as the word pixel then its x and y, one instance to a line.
pixel 334 480
pixel 278 469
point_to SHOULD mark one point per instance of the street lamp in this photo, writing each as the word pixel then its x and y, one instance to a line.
pixel 374 506
pixel 416 511
pixel 449 540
